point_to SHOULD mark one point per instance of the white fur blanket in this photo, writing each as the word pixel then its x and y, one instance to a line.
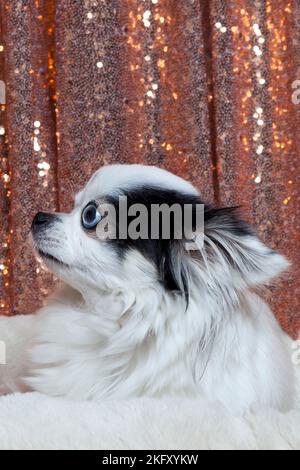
pixel 33 421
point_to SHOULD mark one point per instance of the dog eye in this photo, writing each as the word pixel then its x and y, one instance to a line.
pixel 90 216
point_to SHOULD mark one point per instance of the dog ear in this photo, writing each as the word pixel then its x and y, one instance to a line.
pixel 228 253
pixel 233 249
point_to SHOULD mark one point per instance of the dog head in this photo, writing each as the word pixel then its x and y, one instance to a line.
pixel 97 246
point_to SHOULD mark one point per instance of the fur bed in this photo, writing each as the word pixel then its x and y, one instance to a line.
pixel 34 421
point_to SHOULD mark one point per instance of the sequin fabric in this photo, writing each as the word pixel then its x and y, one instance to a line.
pixel 209 89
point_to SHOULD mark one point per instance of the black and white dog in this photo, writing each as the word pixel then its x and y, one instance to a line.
pixel 147 317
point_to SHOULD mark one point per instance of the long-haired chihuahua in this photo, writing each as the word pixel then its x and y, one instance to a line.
pixel 148 316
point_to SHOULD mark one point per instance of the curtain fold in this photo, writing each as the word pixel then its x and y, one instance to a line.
pixel 204 88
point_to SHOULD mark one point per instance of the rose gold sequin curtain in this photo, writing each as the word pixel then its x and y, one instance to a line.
pixel 207 88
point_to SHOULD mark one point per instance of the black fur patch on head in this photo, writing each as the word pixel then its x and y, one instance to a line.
pixel 167 254
pixel 150 196
pixel 161 252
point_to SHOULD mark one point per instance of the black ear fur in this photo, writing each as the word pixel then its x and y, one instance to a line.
pixel 226 218
pixel 248 260
pixel 231 238
pixel 174 269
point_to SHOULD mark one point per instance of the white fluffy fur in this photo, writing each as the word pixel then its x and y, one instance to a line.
pixel 114 332
pixel 34 421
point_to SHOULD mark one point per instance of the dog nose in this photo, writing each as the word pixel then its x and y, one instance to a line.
pixel 41 219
